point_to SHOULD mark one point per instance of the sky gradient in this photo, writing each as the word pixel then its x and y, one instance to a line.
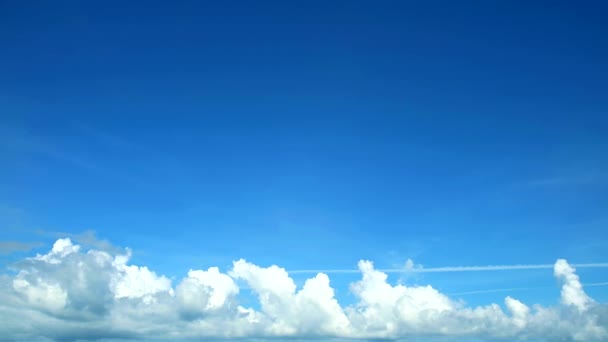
pixel 308 135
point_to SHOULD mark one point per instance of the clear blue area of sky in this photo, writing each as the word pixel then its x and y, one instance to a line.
pixel 312 134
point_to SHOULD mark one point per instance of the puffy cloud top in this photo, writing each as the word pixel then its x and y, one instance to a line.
pixel 203 292
pixel 71 294
pixel 572 289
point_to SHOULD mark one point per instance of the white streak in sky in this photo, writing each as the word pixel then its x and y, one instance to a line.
pixel 419 269
pixel 518 289
pixel 499 290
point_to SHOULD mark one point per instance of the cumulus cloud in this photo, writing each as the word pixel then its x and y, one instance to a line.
pixel 572 290
pixel 71 293
pixel 311 310
pixel 205 292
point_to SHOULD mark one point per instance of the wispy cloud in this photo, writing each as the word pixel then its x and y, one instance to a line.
pixel 509 289
pixel 87 238
pixel 10 247
pixel 605 283
pixel 106 138
pixel 19 139
pixel 585 179
pixel 445 269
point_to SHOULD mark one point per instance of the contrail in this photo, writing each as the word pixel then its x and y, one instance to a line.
pixel 518 289
pixel 596 284
pixel 499 290
pixel 455 268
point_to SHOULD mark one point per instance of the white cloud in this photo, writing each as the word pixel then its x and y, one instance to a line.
pixel 132 281
pixel 61 248
pixel 72 294
pixel 518 310
pixel 41 294
pixel 572 289
pixel 384 310
pixel 312 310
pixel 203 292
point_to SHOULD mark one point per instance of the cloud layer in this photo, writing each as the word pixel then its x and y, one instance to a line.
pixel 71 294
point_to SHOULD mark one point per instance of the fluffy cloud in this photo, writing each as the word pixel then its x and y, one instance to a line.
pixel 312 310
pixel 132 281
pixel 72 294
pixel 205 292
pixel 572 289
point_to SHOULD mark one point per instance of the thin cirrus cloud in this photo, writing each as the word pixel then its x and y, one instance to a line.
pixel 9 247
pixel 410 268
pixel 71 293
pixel 509 289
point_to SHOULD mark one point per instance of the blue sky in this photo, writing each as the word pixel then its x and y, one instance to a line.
pixel 312 135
